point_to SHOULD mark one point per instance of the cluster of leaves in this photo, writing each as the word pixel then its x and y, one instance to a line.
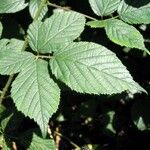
pixel 85 67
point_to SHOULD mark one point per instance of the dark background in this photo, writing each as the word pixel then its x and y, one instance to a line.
pixel 83 118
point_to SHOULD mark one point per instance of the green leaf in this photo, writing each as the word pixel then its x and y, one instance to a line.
pixel 15 44
pixel 104 7
pixel 109 126
pixel 11 6
pixel 1 29
pixel 91 68
pixel 5 122
pixel 134 15
pixel 140 114
pixel 3 144
pixel 35 93
pixel 32 140
pixel 60 28
pixel 39 143
pixel 97 24
pixel 34 6
pixel 12 44
pixel 12 61
pixel 124 34
pixel 3 44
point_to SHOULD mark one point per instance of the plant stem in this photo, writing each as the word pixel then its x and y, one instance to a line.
pixel 43 2
pixel 66 138
pixel 5 89
pixel 43 56
pixel 66 8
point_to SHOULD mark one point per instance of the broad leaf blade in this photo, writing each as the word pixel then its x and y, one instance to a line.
pixel 35 93
pixel 124 34
pixel 12 62
pixel 104 7
pixel 134 15
pixel 91 68
pixel 15 44
pixel 60 28
pixel 34 6
pixel 3 44
pixel 11 6
pixel 12 44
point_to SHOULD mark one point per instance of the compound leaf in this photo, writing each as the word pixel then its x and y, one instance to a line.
pixel 35 93
pixel 12 6
pixel 134 15
pixel 59 29
pixel 124 34
pixel 34 6
pixel 91 68
pixel 104 7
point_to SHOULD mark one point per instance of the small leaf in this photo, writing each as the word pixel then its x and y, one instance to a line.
pixel 1 29
pixel 35 93
pixel 124 34
pixel 59 29
pixel 12 6
pixel 134 15
pixel 32 140
pixel 12 62
pixel 104 7
pixel 97 24
pixel 39 143
pixel 109 126
pixel 5 145
pixel 5 121
pixel 91 68
pixel 140 114
pixel 34 6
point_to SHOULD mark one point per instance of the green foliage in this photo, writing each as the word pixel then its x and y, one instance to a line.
pixel 51 53
pixel 36 94
pixel 12 6
pixel 59 29
pixel 13 62
pixel 1 29
pixel 104 7
pixel 41 144
pixel 91 68
pixel 37 142
pixel 140 114
pixel 97 24
pixel 124 34
pixel 34 6
pixel 134 15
